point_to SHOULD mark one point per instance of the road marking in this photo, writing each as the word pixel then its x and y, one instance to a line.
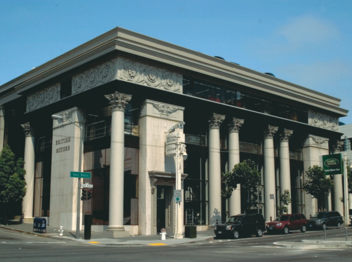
pixel 157 244
pixel 45 242
pixel 93 242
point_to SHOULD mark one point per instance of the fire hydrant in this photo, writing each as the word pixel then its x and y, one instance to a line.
pixel 163 234
pixel 61 231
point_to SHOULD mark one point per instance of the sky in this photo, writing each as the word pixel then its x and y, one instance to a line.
pixel 306 42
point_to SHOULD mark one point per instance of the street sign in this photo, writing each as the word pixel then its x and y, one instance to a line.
pixel 80 174
pixel 171 139
pixel 178 196
pixel 332 164
pixel 171 150
pixel 86 185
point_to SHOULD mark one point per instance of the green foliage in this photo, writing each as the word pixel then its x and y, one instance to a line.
pixel 246 174
pixel 285 200
pixel 318 185
pixel 12 183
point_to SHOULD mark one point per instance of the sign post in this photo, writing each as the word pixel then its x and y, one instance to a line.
pixel 79 175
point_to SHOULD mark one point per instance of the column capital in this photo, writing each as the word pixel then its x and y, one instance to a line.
pixel 118 101
pixel 338 147
pixel 270 131
pixel 216 120
pixel 236 124
pixel 286 134
pixel 27 129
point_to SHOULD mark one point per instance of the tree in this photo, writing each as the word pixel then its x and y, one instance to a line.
pixel 246 174
pixel 12 183
pixel 318 185
pixel 285 200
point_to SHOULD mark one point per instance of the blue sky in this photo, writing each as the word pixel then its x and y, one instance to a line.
pixel 306 42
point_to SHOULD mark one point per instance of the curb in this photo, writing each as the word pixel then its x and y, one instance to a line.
pixel 297 245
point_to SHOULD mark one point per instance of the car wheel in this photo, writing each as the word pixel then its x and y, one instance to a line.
pixel 324 226
pixel 304 229
pixel 286 230
pixel 236 235
pixel 259 232
pixel 339 224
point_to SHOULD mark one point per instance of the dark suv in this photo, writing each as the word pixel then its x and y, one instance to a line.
pixel 324 219
pixel 241 225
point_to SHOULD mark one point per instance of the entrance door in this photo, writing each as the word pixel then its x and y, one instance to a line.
pixel 163 211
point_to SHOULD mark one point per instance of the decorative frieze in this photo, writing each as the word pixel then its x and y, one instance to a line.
pixel 118 101
pixel 270 131
pixel 43 97
pixel 323 121
pixel 236 124
pixel 286 134
pixel 94 77
pixel 148 75
pixel 27 129
pixel 216 120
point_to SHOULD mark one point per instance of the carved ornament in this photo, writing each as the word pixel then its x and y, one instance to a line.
pixel 319 140
pixel 270 131
pixel 27 129
pixel 338 147
pixel 43 97
pixel 148 75
pixel 118 101
pixel 164 109
pixel 286 134
pixel 236 124
pixel 323 121
pixel 216 120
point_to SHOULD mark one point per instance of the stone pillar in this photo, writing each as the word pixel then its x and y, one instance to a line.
pixel 214 169
pixel 2 127
pixel 118 102
pixel 338 185
pixel 67 156
pixel 234 158
pixel 313 148
pixel 269 173
pixel 29 164
pixel 285 171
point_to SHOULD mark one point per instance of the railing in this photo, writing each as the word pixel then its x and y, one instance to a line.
pixel 346 228
pixel 102 128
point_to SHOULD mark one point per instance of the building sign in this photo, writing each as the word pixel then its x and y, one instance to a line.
pixel 63 141
pixel 332 164
pixel 171 145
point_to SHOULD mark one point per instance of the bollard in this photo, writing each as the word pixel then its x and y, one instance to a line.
pixel 61 231
pixel 346 233
pixel 163 234
pixel 324 233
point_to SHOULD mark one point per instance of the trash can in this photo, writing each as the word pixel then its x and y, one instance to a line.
pixel 191 231
pixel 88 220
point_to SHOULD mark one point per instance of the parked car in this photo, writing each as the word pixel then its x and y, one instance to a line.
pixel 241 225
pixel 287 222
pixel 324 219
pixel 350 214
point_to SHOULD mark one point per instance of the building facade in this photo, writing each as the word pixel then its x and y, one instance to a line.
pixel 107 106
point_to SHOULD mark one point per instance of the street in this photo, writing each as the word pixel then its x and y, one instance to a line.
pixel 15 246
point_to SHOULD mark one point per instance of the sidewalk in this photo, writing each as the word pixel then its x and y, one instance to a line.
pixel 106 237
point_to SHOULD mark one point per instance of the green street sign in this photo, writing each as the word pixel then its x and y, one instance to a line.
pixel 80 174
pixel 332 164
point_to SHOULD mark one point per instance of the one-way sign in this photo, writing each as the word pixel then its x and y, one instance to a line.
pixel 178 196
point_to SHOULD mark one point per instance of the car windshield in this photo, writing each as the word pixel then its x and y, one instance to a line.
pixel 236 219
pixel 320 215
pixel 282 218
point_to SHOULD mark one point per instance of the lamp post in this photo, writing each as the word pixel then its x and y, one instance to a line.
pixel 345 189
pixel 176 148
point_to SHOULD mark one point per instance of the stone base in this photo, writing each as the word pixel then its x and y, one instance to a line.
pixel 120 233
pixel 28 220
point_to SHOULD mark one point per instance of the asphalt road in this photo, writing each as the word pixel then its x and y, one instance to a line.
pixel 16 246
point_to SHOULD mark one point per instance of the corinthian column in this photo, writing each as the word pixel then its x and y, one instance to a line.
pixel 234 158
pixel 214 169
pixel 285 173
pixel 118 103
pixel 338 185
pixel 29 164
pixel 2 127
pixel 269 173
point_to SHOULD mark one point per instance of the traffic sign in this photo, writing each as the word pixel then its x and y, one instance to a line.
pixel 86 185
pixel 178 196
pixel 80 174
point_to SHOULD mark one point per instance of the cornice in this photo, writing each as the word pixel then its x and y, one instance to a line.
pixel 151 48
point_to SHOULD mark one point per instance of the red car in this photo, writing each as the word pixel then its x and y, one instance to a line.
pixel 288 222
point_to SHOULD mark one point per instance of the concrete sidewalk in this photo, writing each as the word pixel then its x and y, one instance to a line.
pixel 333 243
pixel 106 237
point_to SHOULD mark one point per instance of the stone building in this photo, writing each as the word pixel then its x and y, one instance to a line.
pixel 106 107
